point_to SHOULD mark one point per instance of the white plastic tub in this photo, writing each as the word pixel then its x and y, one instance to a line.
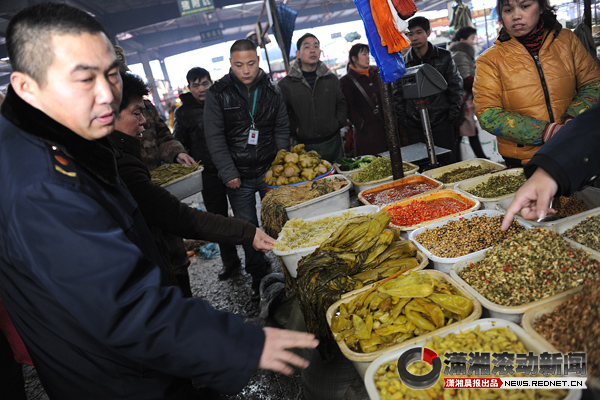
pixel 563 225
pixel 334 201
pixel 487 203
pixel 510 313
pixel 532 315
pixel 484 324
pixel 437 172
pixel 362 361
pixel 186 186
pixel 450 194
pixel 292 257
pixel 445 264
pixel 362 186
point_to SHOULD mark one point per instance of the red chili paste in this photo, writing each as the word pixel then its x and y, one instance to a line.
pixel 397 193
pixel 420 211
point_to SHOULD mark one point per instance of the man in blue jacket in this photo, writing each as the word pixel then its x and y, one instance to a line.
pixel 78 267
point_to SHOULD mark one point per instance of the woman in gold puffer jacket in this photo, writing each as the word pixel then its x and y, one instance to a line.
pixel 535 78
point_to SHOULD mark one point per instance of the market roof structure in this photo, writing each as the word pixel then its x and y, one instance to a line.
pixel 155 28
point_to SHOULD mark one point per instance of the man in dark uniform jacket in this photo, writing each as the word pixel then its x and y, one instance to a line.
pixel 79 268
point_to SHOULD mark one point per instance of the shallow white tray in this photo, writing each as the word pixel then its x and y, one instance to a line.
pixel 437 172
pixel 510 313
pixel 487 203
pixel 362 360
pixel 292 257
pixel 563 225
pixel 445 264
pixel 187 185
pixel 334 201
pixel 485 324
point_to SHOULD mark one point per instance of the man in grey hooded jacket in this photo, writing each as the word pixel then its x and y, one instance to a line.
pixel 315 104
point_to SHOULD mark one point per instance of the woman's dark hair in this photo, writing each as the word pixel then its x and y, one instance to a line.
pixel 464 33
pixel 548 11
pixel 356 50
pixel 133 88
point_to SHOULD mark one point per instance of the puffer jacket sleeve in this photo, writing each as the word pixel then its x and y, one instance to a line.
pixel 588 80
pixel 214 129
pixel 487 91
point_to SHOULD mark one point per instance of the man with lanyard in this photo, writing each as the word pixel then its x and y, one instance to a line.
pixel 246 123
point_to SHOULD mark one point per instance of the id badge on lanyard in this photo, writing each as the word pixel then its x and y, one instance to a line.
pixel 253 135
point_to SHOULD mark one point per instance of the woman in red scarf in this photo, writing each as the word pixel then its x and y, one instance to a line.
pixel 364 106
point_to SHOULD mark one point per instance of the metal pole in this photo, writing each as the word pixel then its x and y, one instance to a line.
pixel 428 135
pixel 391 130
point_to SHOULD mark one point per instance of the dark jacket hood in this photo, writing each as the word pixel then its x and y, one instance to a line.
pixel 95 156
pixel 189 100
pixel 296 69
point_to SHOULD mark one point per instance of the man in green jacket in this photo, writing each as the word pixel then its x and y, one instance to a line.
pixel 315 104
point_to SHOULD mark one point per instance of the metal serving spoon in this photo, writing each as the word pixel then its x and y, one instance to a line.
pixel 549 217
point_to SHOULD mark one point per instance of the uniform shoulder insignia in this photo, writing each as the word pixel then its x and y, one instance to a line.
pixel 61 163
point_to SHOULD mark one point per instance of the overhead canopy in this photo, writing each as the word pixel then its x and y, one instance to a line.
pixel 157 27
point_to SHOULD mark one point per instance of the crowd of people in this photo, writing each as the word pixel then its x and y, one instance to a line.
pixel 93 270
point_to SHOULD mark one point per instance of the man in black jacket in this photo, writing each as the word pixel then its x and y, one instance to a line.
pixel 444 108
pixel 315 104
pixel 246 123
pixel 188 129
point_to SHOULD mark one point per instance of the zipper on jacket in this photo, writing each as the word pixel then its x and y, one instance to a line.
pixel 544 86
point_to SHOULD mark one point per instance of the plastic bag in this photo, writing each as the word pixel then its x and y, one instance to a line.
pixel 391 66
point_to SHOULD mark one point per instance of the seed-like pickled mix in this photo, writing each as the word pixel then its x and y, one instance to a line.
pixel 587 232
pixel 464 236
pixel 566 206
pixel 531 265
pixel 379 168
pixel 575 326
pixel 498 185
pixel 495 340
pixel 462 173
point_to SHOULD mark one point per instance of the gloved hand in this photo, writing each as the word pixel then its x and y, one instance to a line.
pixel 550 130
